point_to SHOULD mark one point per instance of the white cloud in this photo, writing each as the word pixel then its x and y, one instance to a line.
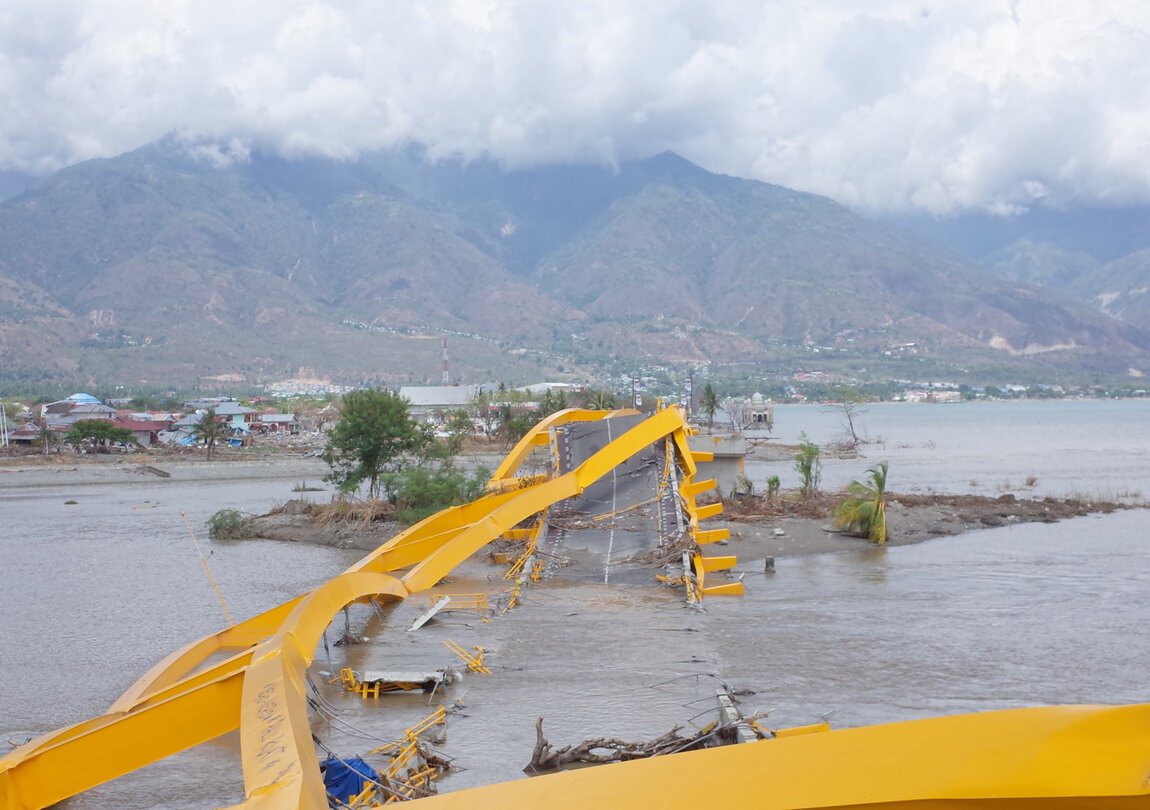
pixel 885 105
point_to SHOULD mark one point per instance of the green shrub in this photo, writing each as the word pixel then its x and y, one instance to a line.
pixel 809 466
pixel 231 524
pixel 773 484
pixel 421 491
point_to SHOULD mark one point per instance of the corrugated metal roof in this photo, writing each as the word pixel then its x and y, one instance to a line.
pixel 423 396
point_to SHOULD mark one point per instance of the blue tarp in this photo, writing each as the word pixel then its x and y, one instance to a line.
pixel 344 778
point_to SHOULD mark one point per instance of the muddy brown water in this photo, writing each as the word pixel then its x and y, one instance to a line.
pixel 92 594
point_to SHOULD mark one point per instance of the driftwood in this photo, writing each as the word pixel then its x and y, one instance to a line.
pixel 666 554
pixel 607 749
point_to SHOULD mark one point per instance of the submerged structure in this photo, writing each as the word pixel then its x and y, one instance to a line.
pixel 640 472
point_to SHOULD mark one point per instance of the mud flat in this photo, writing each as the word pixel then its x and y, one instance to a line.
pixel 59 470
pixel 760 529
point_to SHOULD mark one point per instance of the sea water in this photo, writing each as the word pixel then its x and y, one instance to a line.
pixel 94 593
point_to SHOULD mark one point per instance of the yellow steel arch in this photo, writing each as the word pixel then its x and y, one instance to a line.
pixel 1056 758
pixel 1062 757
pixel 279 759
pixel 540 436
pixel 538 497
pixel 260 687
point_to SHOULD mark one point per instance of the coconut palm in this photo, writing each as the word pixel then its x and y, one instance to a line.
pixel 863 511
pixel 47 438
pixel 601 401
pixel 709 404
pixel 210 430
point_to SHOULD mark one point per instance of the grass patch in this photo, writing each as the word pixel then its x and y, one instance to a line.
pixel 344 511
pixel 418 492
pixel 231 524
pixel 304 486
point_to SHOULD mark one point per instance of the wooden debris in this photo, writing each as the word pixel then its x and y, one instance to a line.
pixel 607 749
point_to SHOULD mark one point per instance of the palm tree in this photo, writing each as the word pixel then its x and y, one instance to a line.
pixel 709 404
pixel 602 401
pixel 47 437
pixel 210 430
pixel 863 511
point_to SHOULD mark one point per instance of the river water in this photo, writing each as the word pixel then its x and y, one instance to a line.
pixel 94 593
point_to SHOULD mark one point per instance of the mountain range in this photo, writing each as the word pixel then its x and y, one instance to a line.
pixel 169 265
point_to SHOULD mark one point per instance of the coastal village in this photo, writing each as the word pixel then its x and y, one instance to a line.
pixel 297 416
pixel 44 426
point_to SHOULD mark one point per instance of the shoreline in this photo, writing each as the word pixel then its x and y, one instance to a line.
pixel 759 529
pixel 790 531
pixel 29 472
pixel 911 519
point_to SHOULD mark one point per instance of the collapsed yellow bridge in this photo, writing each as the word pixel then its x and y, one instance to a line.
pixel 252 677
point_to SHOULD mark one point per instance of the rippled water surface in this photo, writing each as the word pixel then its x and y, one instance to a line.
pixel 94 593
pixel 1098 448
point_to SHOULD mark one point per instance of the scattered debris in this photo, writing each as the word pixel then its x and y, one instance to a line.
pixel 474 661
pixel 607 749
pixel 373 683
pixel 423 618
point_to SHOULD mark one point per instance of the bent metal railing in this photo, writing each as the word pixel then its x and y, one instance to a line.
pixel 260 688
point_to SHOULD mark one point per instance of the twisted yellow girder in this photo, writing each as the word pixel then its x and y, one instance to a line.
pixel 1050 758
pixel 540 436
pixel 260 688
pixel 1058 757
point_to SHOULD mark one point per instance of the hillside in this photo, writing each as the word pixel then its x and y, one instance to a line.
pixel 1089 254
pixel 1121 288
pixel 158 266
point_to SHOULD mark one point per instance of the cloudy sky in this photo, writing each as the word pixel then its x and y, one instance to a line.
pixel 889 106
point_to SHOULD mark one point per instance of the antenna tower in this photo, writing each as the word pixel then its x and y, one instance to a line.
pixel 446 376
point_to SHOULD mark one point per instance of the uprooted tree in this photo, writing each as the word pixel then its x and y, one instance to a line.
pixel 863 511
pixel 608 749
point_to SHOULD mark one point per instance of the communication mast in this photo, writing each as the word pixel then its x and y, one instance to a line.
pixel 446 376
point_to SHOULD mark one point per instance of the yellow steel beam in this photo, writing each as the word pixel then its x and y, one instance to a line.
pixel 1063 758
pixel 169 709
pixel 711 536
pixel 154 684
pixel 719 563
pixel 184 660
pixel 117 744
pixel 685 456
pixel 531 500
pixel 279 759
pixel 527 502
pixel 710 510
pixel 539 436
pixel 430 532
pixel 726 589
pixel 187 713
pixel 697 487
